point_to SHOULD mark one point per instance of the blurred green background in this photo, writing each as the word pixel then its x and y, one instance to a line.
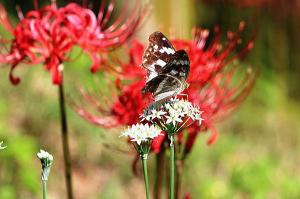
pixel 257 155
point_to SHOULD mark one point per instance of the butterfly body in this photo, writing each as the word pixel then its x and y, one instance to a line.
pixel 167 69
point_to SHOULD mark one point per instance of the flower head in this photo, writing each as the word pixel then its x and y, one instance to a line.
pixel 46 161
pixel 46 35
pixel 173 115
pixel 209 58
pixel 132 99
pixel 142 135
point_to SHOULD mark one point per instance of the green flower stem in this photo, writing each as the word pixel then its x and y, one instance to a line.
pixel 178 178
pixel 172 166
pixel 44 182
pixel 65 142
pixel 160 166
pixel 144 161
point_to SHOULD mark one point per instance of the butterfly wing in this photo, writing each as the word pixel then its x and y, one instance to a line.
pixel 162 86
pixel 171 79
pixel 157 54
pixel 178 66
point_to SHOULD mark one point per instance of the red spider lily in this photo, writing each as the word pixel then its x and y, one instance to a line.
pixel 114 111
pixel 213 86
pixel 46 35
pixel 218 98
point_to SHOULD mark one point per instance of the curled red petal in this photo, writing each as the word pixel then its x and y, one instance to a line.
pixel 213 137
pixel 95 62
pixel 118 84
pixel 193 132
pixel 14 80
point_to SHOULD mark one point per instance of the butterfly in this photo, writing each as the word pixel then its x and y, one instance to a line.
pixel 167 69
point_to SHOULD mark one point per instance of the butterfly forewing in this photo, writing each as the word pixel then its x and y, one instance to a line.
pixel 167 69
pixel 157 54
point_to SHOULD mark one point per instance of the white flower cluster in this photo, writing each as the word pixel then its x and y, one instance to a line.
pixel 141 133
pixel 2 147
pixel 174 112
pixel 46 161
pixel 44 155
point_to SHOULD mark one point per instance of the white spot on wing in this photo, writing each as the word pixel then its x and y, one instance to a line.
pixel 161 63
pixel 152 67
pixel 167 50
pixel 172 51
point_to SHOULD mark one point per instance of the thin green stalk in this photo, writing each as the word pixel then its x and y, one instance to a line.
pixel 44 182
pixel 172 167
pixel 159 180
pixel 144 161
pixel 65 142
pixel 178 178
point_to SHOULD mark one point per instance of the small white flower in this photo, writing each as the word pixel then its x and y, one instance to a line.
pixel 146 117
pixel 141 132
pixel 174 100
pixel 151 113
pixel 46 161
pixel 157 114
pixel 174 118
pixel 2 147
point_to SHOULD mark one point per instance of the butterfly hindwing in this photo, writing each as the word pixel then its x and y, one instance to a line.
pixel 169 86
pixel 178 66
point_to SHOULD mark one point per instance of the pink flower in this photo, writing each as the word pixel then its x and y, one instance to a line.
pixel 46 35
